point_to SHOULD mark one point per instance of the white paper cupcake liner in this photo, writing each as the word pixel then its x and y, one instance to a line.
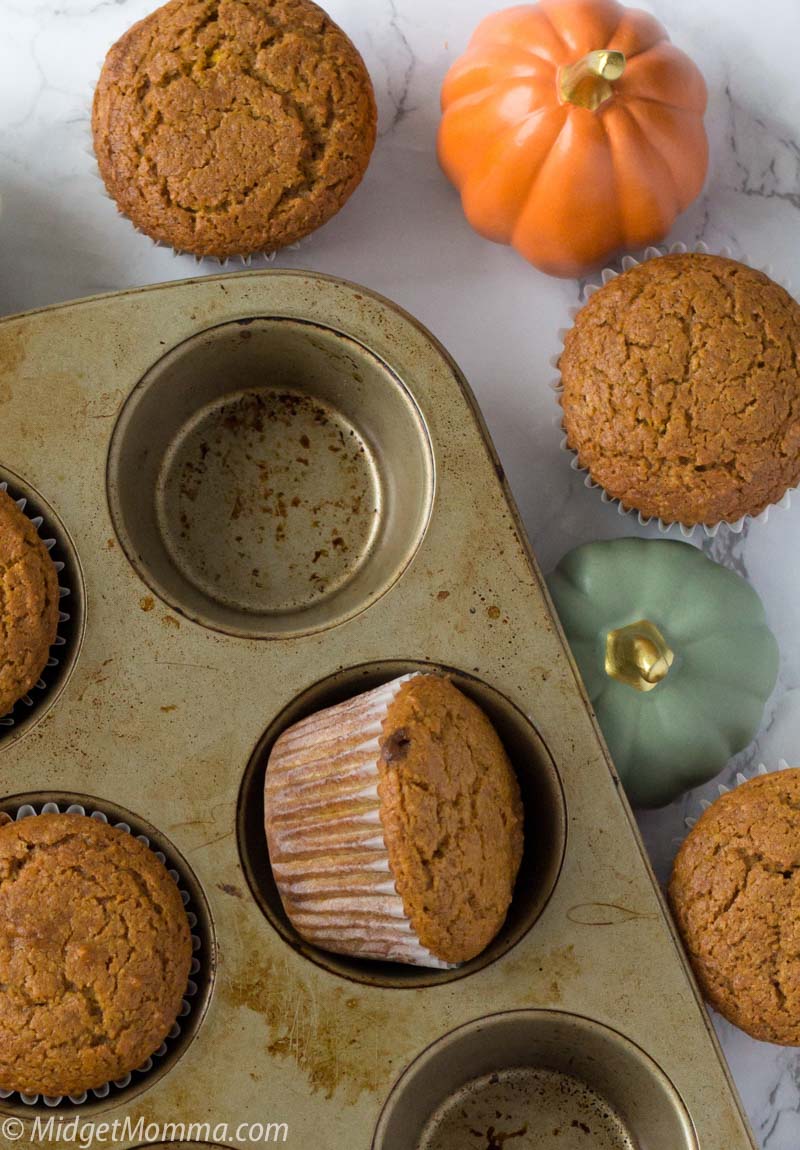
pixel 340 859
pixel 40 688
pixel 590 287
pixel 724 789
pixel 223 262
pixel 26 811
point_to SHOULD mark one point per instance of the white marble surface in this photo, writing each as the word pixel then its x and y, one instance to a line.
pixel 403 234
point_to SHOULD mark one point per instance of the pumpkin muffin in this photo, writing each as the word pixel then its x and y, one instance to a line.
pixel 735 894
pixel 28 604
pixel 394 824
pixel 95 951
pixel 681 392
pixel 231 127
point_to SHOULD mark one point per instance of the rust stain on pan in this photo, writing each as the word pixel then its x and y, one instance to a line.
pixel 335 1038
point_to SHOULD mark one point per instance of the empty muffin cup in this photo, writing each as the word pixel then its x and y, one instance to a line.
pixel 198 988
pixel 37 701
pixel 551 1079
pixel 270 477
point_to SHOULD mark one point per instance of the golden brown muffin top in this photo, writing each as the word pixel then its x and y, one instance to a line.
pixel 227 127
pixel 735 894
pixel 452 817
pixel 28 604
pixel 682 389
pixel 95 951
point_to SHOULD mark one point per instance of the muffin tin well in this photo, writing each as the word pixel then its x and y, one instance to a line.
pixel 270 477
pixel 189 668
pixel 554 1078
pixel 35 705
pixel 542 797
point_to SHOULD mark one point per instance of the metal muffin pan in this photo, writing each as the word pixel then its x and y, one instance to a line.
pixel 134 414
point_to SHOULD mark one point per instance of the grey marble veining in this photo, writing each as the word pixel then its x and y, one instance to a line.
pixel 403 234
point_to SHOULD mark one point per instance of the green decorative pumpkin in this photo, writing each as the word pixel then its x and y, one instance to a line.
pixel 676 656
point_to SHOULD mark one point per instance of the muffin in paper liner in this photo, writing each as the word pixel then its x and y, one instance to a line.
pixel 739 778
pixel 27 810
pixel 590 287
pixel 738 928
pixel 87 147
pixel 38 692
pixel 307 768
pixel 394 823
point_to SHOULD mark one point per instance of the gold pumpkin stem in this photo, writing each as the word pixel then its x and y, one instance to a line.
pixel 638 655
pixel 589 82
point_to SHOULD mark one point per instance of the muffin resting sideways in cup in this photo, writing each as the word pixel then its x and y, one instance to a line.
pixel 395 825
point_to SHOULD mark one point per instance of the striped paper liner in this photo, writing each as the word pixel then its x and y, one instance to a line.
pixel 325 834
pixel 739 778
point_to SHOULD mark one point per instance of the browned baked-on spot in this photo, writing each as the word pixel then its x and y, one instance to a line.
pixel 735 894
pixel 682 391
pixel 95 951
pixel 28 604
pixel 230 127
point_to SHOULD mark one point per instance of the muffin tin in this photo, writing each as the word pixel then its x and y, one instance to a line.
pixel 280 492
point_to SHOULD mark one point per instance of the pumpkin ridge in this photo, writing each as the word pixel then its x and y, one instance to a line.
pixel 636 106
pixel 631 101
pixel 564 45
pixel 544 6
pixel 611 46
pixel 532 184
pixel 655 159
pixel 632 20
pixel 473 62
pixel 486 165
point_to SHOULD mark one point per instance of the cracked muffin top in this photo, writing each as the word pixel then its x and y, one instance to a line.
pixel 95 951
pixel 735 894
pixel 395 824
pixel 681 389
pixel 231 127
pixel 452 817
pixel 28 604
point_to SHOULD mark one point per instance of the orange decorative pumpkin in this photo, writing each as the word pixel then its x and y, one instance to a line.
pixel 573 128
